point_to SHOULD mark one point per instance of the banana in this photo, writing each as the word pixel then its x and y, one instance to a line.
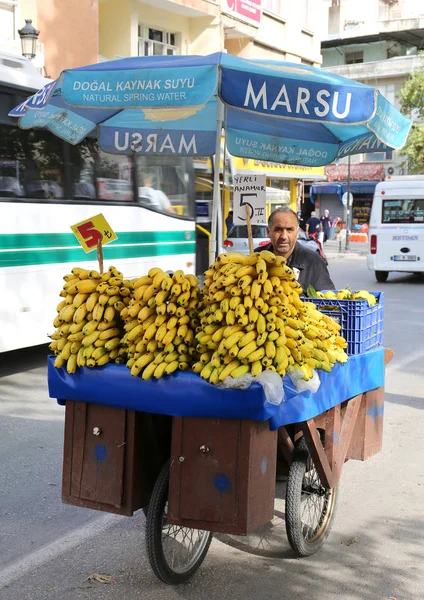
pixel 80 313
pixel 247 350
pixel 91 338
pixel 233 339
pixel 229 369
pixel 170 367
pixel 103 360
pixel 114 332
pixel 67 313
pixel 255 368
pixel 87 286
pixel 112 344
pixel 206 371
pixel 109 313
pixel 270 349
pixel 240 371
pixel 255 290
pixel 170 337
pixel 71 364
pixel 256 355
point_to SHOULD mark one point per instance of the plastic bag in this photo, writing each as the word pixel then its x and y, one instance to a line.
pixel 301 384
pixel 270 381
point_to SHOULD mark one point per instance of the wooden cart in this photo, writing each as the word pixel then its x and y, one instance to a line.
pixel 198 476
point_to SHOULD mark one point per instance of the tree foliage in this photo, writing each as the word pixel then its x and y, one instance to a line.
pixel 412 104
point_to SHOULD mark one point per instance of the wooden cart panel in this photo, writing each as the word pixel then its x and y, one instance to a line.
pixel 222 475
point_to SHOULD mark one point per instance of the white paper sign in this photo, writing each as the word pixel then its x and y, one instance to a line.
pixel 250 191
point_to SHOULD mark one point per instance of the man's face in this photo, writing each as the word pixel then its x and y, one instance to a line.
pixel 326 213
pixel 283 233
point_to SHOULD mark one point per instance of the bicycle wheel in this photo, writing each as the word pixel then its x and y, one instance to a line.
pixel 175 553
pixel 310 506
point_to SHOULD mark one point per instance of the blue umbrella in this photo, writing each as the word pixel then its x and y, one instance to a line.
pixel 274 111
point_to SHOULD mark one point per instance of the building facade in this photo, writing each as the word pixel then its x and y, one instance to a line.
pixel 69 32
pixel 376 42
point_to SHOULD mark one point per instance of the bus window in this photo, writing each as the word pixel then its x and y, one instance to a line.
pixel 31 164
pixel 114 177
pixel 165 183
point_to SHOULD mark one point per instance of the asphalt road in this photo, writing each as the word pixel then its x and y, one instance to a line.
pixel 375 550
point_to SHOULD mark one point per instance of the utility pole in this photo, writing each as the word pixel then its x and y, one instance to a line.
pixel 347 208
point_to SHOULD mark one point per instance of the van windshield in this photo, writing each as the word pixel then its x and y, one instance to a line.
pixel 403 211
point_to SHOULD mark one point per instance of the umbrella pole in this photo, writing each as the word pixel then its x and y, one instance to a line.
pixel 249 229
pixel 216 201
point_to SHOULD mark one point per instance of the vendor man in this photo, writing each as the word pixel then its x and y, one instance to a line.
pixel 308 266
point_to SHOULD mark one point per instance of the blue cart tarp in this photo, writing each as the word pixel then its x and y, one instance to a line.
pixel 186 394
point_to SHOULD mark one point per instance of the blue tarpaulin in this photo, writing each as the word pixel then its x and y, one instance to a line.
pixel 356 187
pixel 186 394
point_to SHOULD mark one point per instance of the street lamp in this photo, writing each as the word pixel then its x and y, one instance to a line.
pixel 29 36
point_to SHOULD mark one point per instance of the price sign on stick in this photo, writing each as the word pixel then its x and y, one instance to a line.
pixel 93 234
pixel 249 192
pixel 249 202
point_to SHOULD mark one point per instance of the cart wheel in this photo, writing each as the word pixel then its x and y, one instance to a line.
pixel 175 553
pixel 310 507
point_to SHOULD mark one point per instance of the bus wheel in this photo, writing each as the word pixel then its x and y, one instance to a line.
pixel 381 276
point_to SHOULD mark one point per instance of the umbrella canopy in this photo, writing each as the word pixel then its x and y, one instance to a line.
pixel 276 111
pixel 271 111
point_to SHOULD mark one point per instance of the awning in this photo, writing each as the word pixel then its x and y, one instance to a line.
pixel 356 187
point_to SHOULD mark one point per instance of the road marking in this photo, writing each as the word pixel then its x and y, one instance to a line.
pixel 399 365
pixel 51 551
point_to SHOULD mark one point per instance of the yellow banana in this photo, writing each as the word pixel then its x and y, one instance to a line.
pixel 91 338
pixel 229 369
pixel 80 313
pixel 247 350
pixel 71 364
pixel 114 332
pixel 256 355
pixel 112 344
pixel 171 367
pixel 103 360
pixel 109 314
pixel 256 368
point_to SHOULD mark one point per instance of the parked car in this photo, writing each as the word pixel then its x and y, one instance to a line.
pixel 237 240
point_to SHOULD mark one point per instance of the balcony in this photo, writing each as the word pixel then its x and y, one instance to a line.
pixel 401 66
pixel 187 8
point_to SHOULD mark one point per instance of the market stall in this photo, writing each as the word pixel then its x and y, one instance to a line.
pixel 144 366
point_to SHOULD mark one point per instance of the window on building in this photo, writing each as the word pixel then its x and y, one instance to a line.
pixel 156 42
pixel 7 19
pixel 353 58
pixel 275 6
pixel 378 156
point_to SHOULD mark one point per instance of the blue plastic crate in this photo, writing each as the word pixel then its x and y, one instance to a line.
pixel 361 325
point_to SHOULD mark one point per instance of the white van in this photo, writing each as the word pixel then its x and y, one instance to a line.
pixel 396 229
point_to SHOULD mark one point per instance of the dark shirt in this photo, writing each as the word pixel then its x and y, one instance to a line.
pixel 311 267
pixel 325 221
pixel 313 223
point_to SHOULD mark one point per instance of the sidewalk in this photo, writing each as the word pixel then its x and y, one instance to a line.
pixel 335 249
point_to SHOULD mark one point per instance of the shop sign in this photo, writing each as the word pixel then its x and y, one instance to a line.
pixel 248 11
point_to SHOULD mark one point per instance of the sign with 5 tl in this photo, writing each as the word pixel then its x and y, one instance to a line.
pixel 92 231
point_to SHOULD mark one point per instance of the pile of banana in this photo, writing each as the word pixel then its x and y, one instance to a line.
pixel 252 319
pixel 160 320
pixel 88 324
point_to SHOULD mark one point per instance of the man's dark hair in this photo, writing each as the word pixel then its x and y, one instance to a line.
pixel 282 209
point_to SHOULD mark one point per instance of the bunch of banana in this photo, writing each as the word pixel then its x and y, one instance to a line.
pixel 88 323
pixel 253 319
pixel 160 321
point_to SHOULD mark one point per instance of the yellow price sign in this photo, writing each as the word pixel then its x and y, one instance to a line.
pixel 92 231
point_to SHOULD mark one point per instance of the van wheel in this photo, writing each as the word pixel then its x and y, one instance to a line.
pixel 381 276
